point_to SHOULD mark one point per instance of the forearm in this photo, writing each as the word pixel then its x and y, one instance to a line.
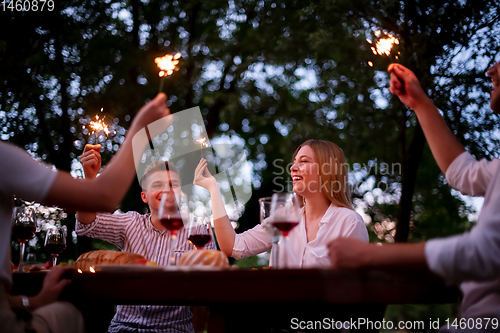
pixel 85 217
pixel 107 191
pixel 17 303
pixel 444 146
pixel 101 194
pixel 222 225
pixel 397 257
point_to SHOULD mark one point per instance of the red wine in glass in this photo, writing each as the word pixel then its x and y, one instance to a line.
pixel 23 232
pixel 55 248
pixel 173 224
pixel 285 226
pixel 199 241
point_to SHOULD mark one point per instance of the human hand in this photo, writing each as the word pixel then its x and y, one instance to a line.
pixel 349 253
pixel 405 85
pixel 155 111
pixel 91 160
pixel 203 177
pixel 52 287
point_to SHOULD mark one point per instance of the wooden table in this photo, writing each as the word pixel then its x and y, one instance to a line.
pixel 232 294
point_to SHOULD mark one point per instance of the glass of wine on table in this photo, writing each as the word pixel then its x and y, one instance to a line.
pixel 55 241
pixel 285 216
pixel 275 234
pixel 199 231
pixel 23 228
pixel 172 213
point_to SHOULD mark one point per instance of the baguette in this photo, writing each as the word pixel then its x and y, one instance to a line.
pixel 102 257
pixel 204 258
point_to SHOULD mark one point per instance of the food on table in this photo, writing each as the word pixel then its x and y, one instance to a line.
pixel 103 257
pixel 204 258
pixel 34 268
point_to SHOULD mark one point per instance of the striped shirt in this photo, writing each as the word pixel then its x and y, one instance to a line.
pixel 133 232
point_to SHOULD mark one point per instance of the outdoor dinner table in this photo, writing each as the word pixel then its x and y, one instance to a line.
pixel 242 300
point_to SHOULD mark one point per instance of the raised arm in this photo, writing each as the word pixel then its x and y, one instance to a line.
pixel 222 225
pixel 444 146
pixel 105 192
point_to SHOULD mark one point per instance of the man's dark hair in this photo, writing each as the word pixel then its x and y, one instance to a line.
pixel 158 166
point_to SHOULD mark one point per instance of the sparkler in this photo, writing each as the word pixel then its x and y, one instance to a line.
pixel 384 44
pixel 166 64
pixel 97 126
pixel 203 143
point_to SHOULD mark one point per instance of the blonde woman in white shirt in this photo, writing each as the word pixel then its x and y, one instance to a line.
pixel 320 180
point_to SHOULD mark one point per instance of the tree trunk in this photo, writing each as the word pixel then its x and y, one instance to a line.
pixel 409 178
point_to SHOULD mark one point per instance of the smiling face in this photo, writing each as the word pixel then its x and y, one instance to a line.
pixel 305 172
pixel 494 73
pixel 320 171
pixel 156 184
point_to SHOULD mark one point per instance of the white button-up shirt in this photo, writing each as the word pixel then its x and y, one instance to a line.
pixel 473 258
pixel 336 222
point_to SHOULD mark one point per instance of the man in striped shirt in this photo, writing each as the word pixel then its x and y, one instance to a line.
pixel 142 234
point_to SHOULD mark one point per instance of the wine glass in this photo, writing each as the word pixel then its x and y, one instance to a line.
pixel 265 212
pixel 55 242
pixel 199 231
pixel 172 213
pixel 285 215
pixel 23 229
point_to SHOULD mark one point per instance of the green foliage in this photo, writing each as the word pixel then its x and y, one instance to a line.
pixel 412 313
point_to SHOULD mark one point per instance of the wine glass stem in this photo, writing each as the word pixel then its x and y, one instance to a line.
pixel 275 253
pixel 173 244
pixel 22 245
pixel 54 260
pixel 285 252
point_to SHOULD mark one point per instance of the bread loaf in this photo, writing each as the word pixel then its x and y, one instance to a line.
pixel 204 258
pixel 102 257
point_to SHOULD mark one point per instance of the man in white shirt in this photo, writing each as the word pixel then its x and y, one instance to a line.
pixel 471 259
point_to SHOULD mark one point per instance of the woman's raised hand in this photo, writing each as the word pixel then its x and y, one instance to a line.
pixel 203 177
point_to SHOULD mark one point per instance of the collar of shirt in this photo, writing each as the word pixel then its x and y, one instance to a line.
pixel 326 217
pixel 328 214
pixel 150 227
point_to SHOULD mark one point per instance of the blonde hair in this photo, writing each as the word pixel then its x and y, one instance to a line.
pixel 334 180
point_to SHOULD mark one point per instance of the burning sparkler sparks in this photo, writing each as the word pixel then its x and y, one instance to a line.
pixel 384 43
pixel 166 64
pixel 98 126
pixel 203 143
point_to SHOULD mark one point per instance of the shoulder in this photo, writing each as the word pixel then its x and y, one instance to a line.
pixel 342 214
pixel 127 217
pixel 347 223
